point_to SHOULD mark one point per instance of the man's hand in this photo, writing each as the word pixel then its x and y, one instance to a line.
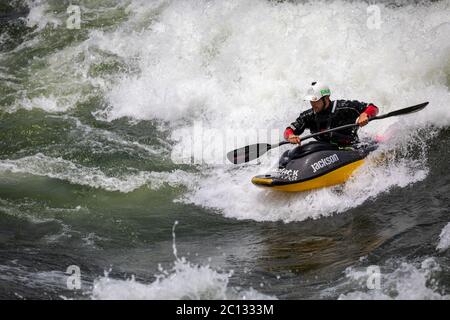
pixel 294 139
pixel 363 119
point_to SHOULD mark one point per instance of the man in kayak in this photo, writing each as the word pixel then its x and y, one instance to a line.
pixel 326 114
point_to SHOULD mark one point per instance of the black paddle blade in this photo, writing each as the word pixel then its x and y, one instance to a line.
pixel 248 153
pixel 404 111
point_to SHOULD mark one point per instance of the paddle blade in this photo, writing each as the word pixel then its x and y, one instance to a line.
pixel 404 111
pixel 248 153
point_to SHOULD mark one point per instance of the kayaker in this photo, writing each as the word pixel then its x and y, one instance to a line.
pixel 326 114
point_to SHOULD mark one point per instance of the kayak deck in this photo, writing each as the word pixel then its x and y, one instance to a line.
pixel 332 178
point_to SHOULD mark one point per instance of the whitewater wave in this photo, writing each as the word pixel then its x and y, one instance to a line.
pixel 237 198
pixel 18 212
pixel 407 282
pixel 229 75
pixel 226 67
pixel 59 168
pixel 229 78
pixel 444 239
pixel 40 213
pixel 183 281
pixel 41 16
pixel 87 134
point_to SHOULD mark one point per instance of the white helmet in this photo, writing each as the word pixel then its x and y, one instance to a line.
pixel 317 91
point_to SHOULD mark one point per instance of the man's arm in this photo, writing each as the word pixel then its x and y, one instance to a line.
pixel 369 112
pixel 296 128
pixel 363 111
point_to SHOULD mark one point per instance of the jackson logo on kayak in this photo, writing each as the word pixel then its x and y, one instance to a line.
pixel 324 162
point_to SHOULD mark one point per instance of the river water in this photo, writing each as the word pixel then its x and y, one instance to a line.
pixel 93 121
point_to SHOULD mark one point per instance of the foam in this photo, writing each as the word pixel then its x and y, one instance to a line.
pixel 408 281
pixel 58 168
pixel 40 16
pixel 96 134
pixel 184 281
pixel 237 199
pixel 444 239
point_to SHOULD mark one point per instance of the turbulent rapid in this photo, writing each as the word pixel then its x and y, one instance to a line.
pixel 115 130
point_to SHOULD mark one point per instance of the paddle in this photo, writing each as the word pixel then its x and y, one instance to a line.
pixel 254 151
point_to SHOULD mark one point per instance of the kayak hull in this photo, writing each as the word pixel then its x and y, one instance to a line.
pixel 335 177
pixel 315 165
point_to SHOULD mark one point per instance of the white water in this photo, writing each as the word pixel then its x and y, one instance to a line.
pixel 444 238
pixel 244 65
pixel 242 201
pixel 407 282
pixel 40 15
pixel 58 168
pixel 224 65
pixel 183 281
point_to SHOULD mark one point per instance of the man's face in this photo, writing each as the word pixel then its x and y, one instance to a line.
pixel 317 105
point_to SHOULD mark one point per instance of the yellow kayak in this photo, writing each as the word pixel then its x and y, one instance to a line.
pixel 314 165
